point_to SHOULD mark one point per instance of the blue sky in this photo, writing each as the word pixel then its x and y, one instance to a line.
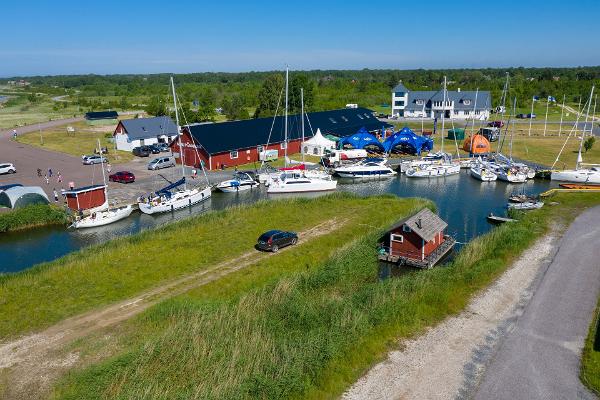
pixel 71 37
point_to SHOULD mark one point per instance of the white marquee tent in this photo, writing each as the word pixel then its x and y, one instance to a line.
pixel 317 145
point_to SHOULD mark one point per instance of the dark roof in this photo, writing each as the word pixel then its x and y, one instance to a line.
pixel 400 88
pixel 101 115
pixel 145 128
pixel 425 223
pixel 236 135
pixel 84 189
pixel 463 100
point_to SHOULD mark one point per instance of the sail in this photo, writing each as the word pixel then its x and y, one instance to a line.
pixel 166 189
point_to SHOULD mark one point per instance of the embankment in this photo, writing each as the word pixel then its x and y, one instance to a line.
pixel 31 217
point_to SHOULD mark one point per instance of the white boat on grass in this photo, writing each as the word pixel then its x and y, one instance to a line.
pixel 369 168
pixel 176 195
pixel 528 205
pixel 241 181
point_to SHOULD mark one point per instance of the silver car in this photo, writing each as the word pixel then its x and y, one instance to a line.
pixel 93 159
pixel 161 162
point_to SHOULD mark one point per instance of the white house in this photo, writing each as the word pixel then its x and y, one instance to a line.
pixel 429 104
pixel 131 133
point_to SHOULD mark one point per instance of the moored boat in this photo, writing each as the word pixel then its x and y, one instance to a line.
pixel 369 168
pixel 104 217
pixel 495 219
pixel 241 181
pixel 479 170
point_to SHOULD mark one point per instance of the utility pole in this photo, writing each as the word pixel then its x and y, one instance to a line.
pixel 531 115
pixel 546 119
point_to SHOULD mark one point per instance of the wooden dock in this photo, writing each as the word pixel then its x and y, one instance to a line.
pixel 428 262
pixel 563 190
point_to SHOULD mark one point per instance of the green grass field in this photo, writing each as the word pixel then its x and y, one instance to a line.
pixel 308 334
pixel 20 112
pixel 32 216
pixel 590 360
pixel 82 141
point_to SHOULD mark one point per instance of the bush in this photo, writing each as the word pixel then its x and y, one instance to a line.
pixel 30 216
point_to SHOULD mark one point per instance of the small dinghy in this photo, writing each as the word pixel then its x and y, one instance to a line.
pixel 528 205
pixel 495 219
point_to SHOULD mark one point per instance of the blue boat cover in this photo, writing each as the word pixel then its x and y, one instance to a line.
pixel 408 141
pixel 360 140
pixel 167 189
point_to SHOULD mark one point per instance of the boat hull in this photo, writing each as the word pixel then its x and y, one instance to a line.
pixel 178 201
pixel 101 218
pixel 322 186
pixel 433 172
pixel 577 176
pixel 483 175
pixel 512 178
pixel 228 187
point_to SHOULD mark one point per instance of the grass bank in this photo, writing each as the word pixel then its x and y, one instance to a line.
pixel 119 269
pixel 308 334
pixel 32 216
pixel 590 359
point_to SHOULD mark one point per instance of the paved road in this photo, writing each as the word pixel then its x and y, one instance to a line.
pixel 540 357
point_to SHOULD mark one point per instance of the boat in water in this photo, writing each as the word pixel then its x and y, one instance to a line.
pixel 433 170
pixel 369 168
pixel 241 181
pixel 481 171
pixel 508 174
pixel 176 195
pixel 496 219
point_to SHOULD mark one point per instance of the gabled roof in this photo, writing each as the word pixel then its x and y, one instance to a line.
pixel 463 100
pixel 145 128
pixel 400 88
pixel 244 134
pixel 101 115
pixel 425 223
pixel 84 189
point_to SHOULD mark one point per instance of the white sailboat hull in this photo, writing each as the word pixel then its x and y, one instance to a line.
pixel 577 176
pixel 433 171
pixel 100 218
pixel 483 174
pixel 178 200
pixel 512 177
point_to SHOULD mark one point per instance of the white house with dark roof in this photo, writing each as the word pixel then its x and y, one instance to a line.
pixel 459 104
pixel 131 133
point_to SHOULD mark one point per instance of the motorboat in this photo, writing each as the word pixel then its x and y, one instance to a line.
pixel 482 172
pixel 367 168
pixel 528 205
pixel 521 198
pixel 429 159
pixel 297 182
pixel 581 175
pixel 103 217
pixel 167 199
pixel 241 181
pixel 433 170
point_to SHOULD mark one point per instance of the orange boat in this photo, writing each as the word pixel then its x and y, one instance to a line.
pixel 578 186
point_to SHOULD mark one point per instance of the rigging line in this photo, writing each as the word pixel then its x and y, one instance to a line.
pixel 272 125
pixel 573 129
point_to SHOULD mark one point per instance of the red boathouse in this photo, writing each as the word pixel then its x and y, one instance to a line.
pixel 417 241
pixel 86 198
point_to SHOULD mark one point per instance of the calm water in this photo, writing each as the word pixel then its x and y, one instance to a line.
pixel 462 201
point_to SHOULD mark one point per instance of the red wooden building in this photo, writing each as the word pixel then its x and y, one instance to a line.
pixel 418 240
pixel 86 198
pixel 241 142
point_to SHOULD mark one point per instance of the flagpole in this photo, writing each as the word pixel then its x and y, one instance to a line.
pixel 562 111
pixel 594 115
pixel 546 120
pixel 531 115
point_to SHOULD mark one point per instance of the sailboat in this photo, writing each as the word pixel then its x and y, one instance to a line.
pixel 296 180
pixel 480 170
pixel 504 167
pixel 579 175
pixel 445 167
pixel 105 215
pixel 176 195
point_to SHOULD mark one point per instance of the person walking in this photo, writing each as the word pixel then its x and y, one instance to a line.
pixel 14 134
pixel 47 179
pixel 49 172
pixel 108 167
pixel 39 171
pixel 71 185
pixel 55 195
pixel 58 177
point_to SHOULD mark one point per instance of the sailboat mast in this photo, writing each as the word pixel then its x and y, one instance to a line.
pixel 587 115
pixel 443 113
pixel 285 129
pixel 178 133
pixel 512 130
pixel 473 127
pixel 302 116
pixel 102 168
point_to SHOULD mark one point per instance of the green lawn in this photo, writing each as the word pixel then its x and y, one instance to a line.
pixel 590 360
pixel 32 216
pixel 25 113
pixel 82 141
pixel 307 334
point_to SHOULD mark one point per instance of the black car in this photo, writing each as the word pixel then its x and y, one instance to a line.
pixel 275 239
pixel 142 151
pixel 154 148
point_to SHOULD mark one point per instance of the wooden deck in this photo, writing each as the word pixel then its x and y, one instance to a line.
pixel 428 262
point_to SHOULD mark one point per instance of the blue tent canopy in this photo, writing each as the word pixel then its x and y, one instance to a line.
pixel 360 140
pixel 408 141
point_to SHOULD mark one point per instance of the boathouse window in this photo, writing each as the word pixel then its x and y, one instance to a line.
pixel 360 116
pixel 466 102
pixel 406 228
pixel 397 238
pixel 283 146
pixel 233 154
pixel 259 149
pixel 344 118
pixel 333 120
pixel 420 102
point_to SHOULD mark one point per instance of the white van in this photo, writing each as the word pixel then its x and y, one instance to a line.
pixel 161 162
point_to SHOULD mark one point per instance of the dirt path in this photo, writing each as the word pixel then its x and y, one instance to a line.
pixel 446 361
pixel 30 364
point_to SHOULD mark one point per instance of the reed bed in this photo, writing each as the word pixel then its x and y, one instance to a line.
pixel 308 334
pixel 32 216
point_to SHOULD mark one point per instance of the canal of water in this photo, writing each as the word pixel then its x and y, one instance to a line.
pixel 461 200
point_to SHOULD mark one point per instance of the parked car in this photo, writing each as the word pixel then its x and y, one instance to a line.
pixel 496 124
pixel 122 177
pixel 164 147
pixel 7 168
pixel 490 133
pixel 154 148
pixel 93 159
pixel 141 151
pixel 521 115
pixel 161 162
pixel 275 240
pixel 531 115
